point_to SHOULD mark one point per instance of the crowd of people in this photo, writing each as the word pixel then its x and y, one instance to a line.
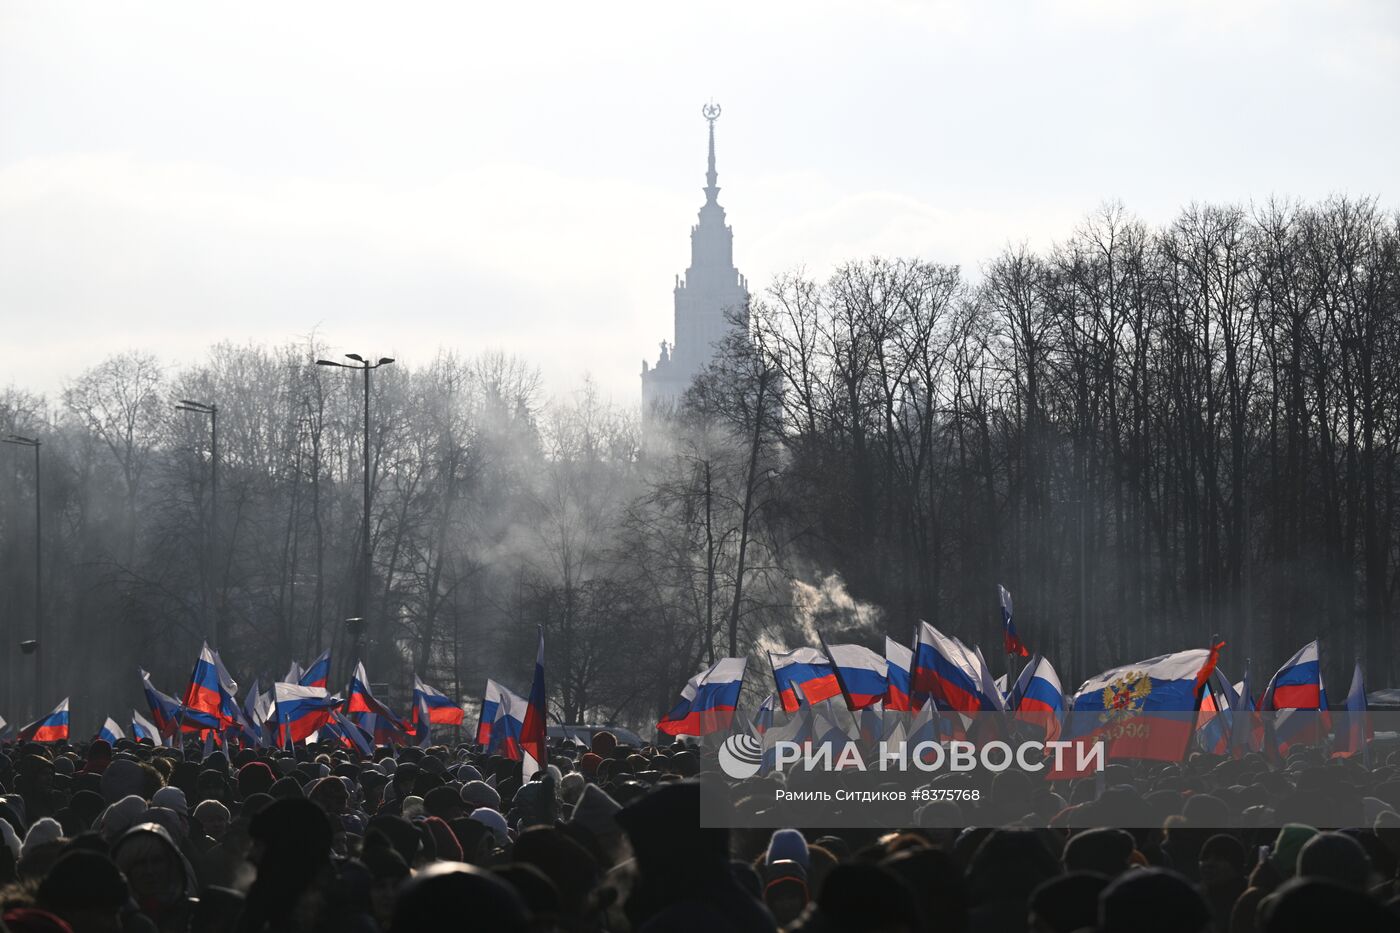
pixel 101 838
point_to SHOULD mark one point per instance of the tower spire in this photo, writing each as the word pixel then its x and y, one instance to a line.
pixel 711 112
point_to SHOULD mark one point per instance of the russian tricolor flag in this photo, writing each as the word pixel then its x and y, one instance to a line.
pixel 1356 731
pixel 860 673
pixel 360 702
pixel 1038 697
pixel 301 711
pixel 318 674
pixel 165 709
pixel 803 674
pixel 51 728
pixel 1298 684
pixel 899 661
pixel 142 728
pixel 508 724
pixel 951 673
pixel 442 709
pixel 1010 639
pixel 763 719
pixel 203 694
pixel 532 732
pixel 110 732
pixel 490 703
pixel 707 701
pixel 1157 697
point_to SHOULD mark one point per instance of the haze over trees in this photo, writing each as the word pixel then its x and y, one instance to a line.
pixel 1151 436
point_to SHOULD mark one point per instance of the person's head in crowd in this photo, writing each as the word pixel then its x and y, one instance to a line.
pixel 454 889
pixel 161 879
pixel 1222 859
pixel 213 818
pixel 862 898
pixel 1307 905
pixel 443 802
pixel 479 794
pixel 1335 857
pixel 86 890
pixel 255 777
pixel 1283 856
pixel 564 861
pixel 931 874
pixel 220 910
pixel 1104 851
pixel 1066 903
pixel 1152 900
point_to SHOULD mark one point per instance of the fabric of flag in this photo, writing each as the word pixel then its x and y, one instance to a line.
pixel 5 729
pixel 351 735
pixel 442 709
pixel 763 718
pixel 795 727
pixel 1010 640
pixel 899 661
pixel 532 732
pixel 871 723
pixel 318 674
pixel 490 702
pixel 1145 710
pixel 50 728
pixel 803 675
pixel 1356 729
pixel 253 722
pixel 953 675
pixel 294 674
pixel 1298 684
pixel 360 703
pixel 860 673
pixel 707 701
pixel 508 725
pixel 420 722
pixel 301 711
pixel 1246 729
pixel 1039 698
pixel 203 693
pixel 110 731
pixel 165 709
pixel 143 728
pixel 229 711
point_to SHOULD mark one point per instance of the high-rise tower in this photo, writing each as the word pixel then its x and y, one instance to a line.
pixel 710 301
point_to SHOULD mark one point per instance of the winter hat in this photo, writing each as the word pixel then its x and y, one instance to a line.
pixel 11 838
pixel 788 844
pixel 571 788
pixel 172 798
pixel 596 812
pixel 123 778
pixel 480 794
pixel 45 830
pixel 493 821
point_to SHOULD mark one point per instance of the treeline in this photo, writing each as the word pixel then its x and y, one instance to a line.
pixel 1150 436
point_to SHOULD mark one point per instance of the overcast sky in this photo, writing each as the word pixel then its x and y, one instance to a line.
pixel 523 177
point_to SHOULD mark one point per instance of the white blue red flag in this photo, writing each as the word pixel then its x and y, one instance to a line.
pixel 110 732
pixel 294 674
pixel 1011 641
pixel 361 704
pixel 165 709
pixel 763 719
pixel 803 675
pixel 301 711
pixel 442 710
pixel 860 673
pixel 1356 732
pixel 508 725
pixel 707 701
pixel 1297 696
pixel 204 692
pixel 899 691
pixel 952 674
pixel 1038 698
pixel 1298 684
pixel 143 728
pixel 50 728
pixel 319 673
pixel 490 703
pixel 1145 710
pixel 532 732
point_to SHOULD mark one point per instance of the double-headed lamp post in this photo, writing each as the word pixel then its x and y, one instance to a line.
pixel 37 641
pixel 362 594
pixel 212 544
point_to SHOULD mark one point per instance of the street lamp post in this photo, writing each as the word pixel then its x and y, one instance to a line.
pixel 362 594
pixel 38 563
pixel 212 550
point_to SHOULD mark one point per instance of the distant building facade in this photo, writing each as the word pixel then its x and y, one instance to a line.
pixel 710 301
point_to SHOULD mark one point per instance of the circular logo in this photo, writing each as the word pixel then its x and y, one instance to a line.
pixel 741 756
